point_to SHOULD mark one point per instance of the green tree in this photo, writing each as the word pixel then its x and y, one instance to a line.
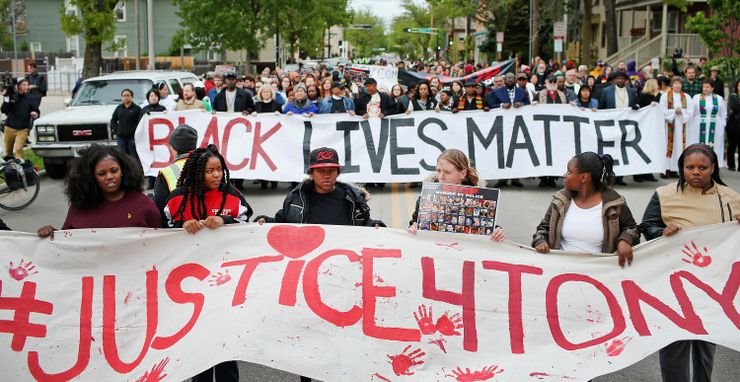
pixel 96 23
pixel 303 24
pixel 366 41
pixel 506 16
pixel 719 31
pixel 226 24
pixel 407 45
pixel 6 31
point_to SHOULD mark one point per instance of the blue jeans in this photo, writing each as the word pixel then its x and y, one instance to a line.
pixel 127 145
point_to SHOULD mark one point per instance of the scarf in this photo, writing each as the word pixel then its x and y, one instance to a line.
pixel 671 126
pixel 464 99
pixel 712 117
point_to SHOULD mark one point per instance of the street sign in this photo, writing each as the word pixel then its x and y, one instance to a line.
pixel 499 38
pixel 421 30
pixel 499 47
pixel 558 45
pixel 559 29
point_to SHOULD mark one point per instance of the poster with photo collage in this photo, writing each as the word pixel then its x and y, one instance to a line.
pixel 458 209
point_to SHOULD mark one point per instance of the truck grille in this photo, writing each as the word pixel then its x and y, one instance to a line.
pixel 75 133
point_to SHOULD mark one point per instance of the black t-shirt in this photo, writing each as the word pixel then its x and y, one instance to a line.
pixel 337 106
pixel 332 208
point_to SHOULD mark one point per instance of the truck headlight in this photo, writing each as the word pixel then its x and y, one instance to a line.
pixel 45 130
pixel 46 138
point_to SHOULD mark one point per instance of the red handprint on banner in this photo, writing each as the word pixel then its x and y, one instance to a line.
pixel 449 325
pixel 218 279
pixel 402 363
pixel 425 320
pixel 470 376
pixel 695 256
pixel 155 375
pixel 615 348
pixel 22 271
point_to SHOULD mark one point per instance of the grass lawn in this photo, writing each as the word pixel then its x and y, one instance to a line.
pixel 36 160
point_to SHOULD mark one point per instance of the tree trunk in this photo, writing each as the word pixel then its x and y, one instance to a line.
pixel 535 29
pixel 93 59
pixel 248 63
pixel 610 29
pixel 586 36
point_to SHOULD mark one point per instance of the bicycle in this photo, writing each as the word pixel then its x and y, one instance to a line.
pixel 19 184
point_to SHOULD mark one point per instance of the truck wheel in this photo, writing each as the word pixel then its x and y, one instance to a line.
pixel 55 170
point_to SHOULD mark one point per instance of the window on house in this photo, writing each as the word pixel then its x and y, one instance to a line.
pixel 36 46
pixel 71 9
pixel 120 11
pixel 121 43
pixel 73 45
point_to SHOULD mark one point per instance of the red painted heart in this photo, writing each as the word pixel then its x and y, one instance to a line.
pixel 295 242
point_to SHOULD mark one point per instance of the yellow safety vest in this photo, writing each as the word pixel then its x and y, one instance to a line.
pixel 171 173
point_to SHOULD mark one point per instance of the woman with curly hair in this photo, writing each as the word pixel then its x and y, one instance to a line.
pixel 104 189
pixel 204 197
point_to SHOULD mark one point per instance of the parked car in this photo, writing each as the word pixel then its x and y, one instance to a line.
pixel 86 120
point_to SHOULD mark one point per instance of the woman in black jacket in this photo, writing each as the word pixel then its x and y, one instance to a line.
pixel 424 99
pixel 650 94
pixel 124 121
pixel 402 103
pixel 265 102
pixel 152 96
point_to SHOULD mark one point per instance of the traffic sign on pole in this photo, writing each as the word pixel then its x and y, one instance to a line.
pixel 559 30
pixel 499 37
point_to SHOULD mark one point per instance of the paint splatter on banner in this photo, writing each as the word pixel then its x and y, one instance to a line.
pixel 352 304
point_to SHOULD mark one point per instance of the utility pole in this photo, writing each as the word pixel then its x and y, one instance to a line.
pixel 15 40
pixel 138 35
pixel 150 32
pixel 277 42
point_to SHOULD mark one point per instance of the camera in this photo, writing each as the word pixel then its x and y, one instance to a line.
pixel 8 84
pixel 678 53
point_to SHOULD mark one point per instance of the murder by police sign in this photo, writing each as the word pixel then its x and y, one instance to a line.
pixel 351 304
pixel 530 141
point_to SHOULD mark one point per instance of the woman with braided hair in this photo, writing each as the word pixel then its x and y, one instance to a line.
pixel 204 197
pixel 588 216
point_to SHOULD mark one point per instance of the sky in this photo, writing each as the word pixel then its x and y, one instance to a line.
pixel 385 9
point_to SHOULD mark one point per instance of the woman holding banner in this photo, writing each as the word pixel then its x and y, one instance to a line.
pixel 453 167
pixel 104 190
pixel 205 198
pixel 588 215
pixel 698 198
pixel 300 104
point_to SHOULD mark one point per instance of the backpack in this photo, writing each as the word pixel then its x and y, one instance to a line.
pixel 18 173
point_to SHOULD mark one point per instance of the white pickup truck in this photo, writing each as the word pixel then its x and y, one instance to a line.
pixel 86 120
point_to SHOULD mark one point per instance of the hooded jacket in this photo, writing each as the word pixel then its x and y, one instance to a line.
pixel 615 215
pixel 295 207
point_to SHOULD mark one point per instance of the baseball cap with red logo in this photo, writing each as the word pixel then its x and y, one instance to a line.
pixel 324 157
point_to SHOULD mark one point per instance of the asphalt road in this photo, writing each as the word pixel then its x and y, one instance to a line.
pixel 520 211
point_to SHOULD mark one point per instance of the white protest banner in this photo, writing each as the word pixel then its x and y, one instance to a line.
pixel 516 143
pixel 387 76
pixel 352 304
